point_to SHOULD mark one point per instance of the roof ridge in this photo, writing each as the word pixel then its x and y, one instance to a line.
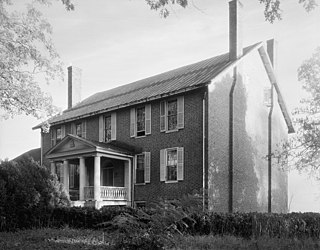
pixel 150 85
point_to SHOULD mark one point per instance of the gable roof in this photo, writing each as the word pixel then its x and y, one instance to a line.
pixel 172 82
pixel 85 146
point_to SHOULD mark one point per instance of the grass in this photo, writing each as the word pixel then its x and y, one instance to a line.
pixel 92 239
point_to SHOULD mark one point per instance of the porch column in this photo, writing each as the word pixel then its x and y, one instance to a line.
pixel 127 181
pixel 53 168
pixel 66 175
pixel 82 178
pixel 96 182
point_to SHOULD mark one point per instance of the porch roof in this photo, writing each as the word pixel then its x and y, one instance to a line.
pixel 72 146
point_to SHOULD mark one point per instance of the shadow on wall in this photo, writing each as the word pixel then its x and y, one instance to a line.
pixel 245 179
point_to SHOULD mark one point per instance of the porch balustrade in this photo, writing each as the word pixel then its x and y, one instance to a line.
pixel 107 193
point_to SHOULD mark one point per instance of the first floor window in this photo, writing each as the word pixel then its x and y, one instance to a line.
pixel 171 165
pixel 140 169
pixel 107 128
pixel 142 173
pixel 59 171
pixel 74 176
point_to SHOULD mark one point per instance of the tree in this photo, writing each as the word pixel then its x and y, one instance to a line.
pixel 272 10
pixel 28 56
pixel 303 149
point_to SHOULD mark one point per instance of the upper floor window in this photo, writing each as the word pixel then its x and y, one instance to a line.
pixel 108 127
pixel 57 134
pixel 140 121
pixel 79 129
pixel 142 173
pixel 171 164
pixel 172 114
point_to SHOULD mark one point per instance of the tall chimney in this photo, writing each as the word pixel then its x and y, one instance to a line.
pixel 74 86
pixel 235 29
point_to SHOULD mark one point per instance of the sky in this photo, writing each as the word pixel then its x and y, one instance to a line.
pixel 117 42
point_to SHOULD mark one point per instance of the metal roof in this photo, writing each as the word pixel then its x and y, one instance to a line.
pixel 171 82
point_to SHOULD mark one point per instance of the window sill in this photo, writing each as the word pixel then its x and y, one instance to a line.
pixel 171 131
pixel 140 184
pixel 141 136
pixel 171 182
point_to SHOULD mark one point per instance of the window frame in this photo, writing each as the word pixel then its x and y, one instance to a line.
pixel 167 165
pixel 136 169
pixel 79 124
pixel 60 137
pixel 136 122
pixel 105 129
pixel 170 116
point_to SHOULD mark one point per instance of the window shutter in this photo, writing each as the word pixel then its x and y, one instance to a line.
pixel 147 167
pixel 180 164
pixel 84 129
pixel 63 131
pixel 53 137
pixel 163 165
pixel 101 128
pixel 113 126
pixel 132 122
pixel 148 118
pixel 180 112
pixel 73 128
pixel 163 116
pixel 135 169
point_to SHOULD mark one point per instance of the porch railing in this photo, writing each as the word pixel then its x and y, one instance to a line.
pixel 107 193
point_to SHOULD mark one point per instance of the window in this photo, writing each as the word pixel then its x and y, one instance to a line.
pixel 172 114
pixel 79 129
pixel 58 135
pixel 107 127
pixel 59 171
pixel 140 169
pixel 171 164
pixel 74 176
pixel 142 173
pixel 140 121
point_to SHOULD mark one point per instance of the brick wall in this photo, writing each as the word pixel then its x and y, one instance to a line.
pixel 190 138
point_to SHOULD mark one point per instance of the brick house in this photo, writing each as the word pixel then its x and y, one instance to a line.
pixel 209 126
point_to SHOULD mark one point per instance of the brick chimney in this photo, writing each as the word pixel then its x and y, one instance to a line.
pixel 74 86
pixel 235 29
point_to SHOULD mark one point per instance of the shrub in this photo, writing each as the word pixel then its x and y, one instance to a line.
pixel 26 188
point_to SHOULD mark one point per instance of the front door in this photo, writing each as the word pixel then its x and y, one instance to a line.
pixel 108 177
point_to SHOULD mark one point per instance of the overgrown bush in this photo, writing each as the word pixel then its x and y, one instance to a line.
pixel 25 188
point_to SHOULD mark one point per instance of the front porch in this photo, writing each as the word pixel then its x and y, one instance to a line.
pixel 97 176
